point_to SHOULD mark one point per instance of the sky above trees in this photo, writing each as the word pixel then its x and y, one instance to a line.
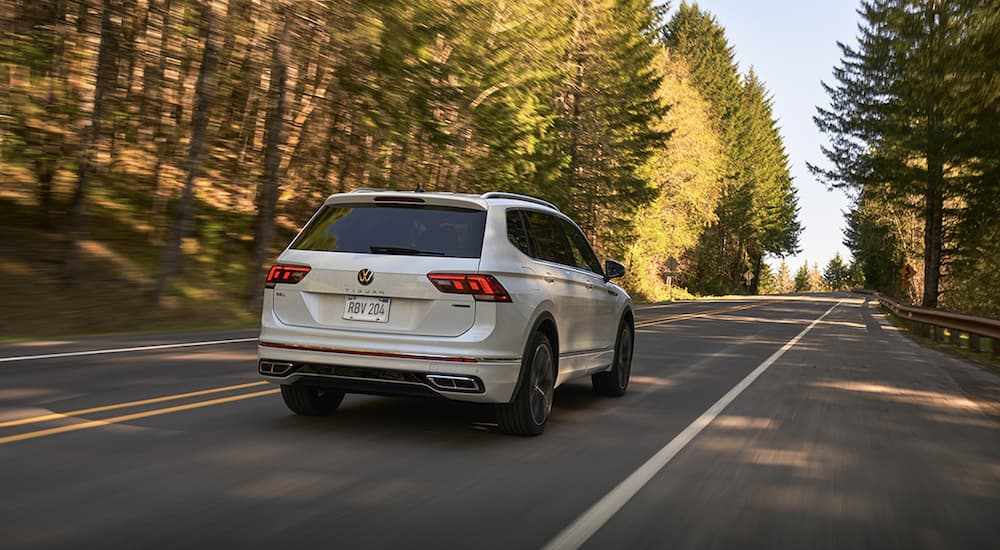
pixel 792 46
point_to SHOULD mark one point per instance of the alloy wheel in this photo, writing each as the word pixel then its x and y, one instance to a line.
pixel 542 384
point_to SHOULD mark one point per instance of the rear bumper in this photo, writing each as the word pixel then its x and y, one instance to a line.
pixel 478 381
pixel 489 356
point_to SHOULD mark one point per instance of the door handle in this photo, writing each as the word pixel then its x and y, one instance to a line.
pixel 549 278
pixel 590 285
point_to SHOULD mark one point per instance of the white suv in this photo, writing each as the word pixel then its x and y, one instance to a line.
pixel 494 298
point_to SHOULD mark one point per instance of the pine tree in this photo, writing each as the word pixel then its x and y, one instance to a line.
pixel 816 282
pixel 686 174
pixel 609 105
pixel 764 200
pixel 907 113
pixel 509 141
pixel 92 134
pixel 204 92
pixel 218 127
pixel 39 110
pixel 856 275
pixel 275 135
pixel 756 214
pixel 699 39
pixel 975 269
pixel 802 279
pixel 836 275
pixel 766 281
pixel 783 281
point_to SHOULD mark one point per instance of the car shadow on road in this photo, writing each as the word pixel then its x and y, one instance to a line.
pixel 417 418
pixel 576 396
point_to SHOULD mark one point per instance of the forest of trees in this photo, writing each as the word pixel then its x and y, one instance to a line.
pixel 914 128
pixel 187 139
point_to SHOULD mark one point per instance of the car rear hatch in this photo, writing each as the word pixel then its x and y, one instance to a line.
pixel 369 256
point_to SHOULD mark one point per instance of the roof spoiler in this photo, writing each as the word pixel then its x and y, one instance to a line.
pixel 484 196
pixel 516 196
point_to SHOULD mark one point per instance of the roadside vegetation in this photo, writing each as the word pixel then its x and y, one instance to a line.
pixel 913 121
pixel 156 154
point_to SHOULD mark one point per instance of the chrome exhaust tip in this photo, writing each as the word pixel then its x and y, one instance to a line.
pixel 275 368
pixel 453 383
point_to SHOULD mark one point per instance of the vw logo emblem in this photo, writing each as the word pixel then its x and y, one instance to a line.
pixel 366 276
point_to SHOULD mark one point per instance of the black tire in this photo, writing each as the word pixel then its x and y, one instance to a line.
pixel 614 382
pixel 309 401
pixel 528 412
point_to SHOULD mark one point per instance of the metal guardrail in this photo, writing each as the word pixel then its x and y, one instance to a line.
pixel 956 323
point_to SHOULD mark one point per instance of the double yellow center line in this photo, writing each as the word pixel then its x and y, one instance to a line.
pixel 681 317
pixel 128 417
pixel 88 424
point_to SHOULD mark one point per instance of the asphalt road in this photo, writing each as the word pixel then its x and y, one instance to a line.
pixel 742 429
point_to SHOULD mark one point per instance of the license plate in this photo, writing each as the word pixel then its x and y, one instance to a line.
pixel 367 308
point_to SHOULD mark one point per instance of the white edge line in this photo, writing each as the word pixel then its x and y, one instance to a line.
pixel 124 350
pixel 580 531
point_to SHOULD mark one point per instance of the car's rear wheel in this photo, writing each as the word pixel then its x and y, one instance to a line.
pixel 528 412
pixel 615 381
pixel 310 401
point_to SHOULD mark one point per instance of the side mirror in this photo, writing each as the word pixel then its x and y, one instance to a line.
pixel 613 270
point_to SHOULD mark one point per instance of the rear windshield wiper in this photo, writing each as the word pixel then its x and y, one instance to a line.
pixel 403 251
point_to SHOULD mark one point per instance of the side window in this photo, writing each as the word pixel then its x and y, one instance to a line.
pixel 548 241
pixel 582 253
pixel 516 232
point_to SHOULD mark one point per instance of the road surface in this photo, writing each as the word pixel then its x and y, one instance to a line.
pixel 789 422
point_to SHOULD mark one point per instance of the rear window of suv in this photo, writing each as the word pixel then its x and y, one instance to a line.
pixel 395 229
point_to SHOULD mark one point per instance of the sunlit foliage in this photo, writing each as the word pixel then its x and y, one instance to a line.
pixel 188 140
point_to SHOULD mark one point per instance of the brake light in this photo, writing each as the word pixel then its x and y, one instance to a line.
pixel 289 274
pixel 484 288
pixel 397 198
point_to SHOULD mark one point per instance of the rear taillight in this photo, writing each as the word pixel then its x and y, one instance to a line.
pixel 290 274
pixel 484 288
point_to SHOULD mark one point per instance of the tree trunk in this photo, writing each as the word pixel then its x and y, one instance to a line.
pixel 203 91
pixel 158 137
pixel 934 197
pixel 758 263
pixel 331 141
pixel 574 142
pixel 274 132
pixel 45 169
pixel 933 231
pixel 52 150
pixel 78 208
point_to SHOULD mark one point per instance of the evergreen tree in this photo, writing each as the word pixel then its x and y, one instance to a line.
pixel 698 38
pixel 764 199
pixel 609 107
pixel 856 275
pixel 686 175
pixel 205 133
pixel 756 214
pixel 40 115
pixel 767 281
pixel 104 80
pixel 204 91
pixel 836 274
pixel 816 282
pixel 908 112
pixel 802 279
pixel 783 283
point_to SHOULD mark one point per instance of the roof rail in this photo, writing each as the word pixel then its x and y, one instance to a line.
pixel 368 190
pixel 516 196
